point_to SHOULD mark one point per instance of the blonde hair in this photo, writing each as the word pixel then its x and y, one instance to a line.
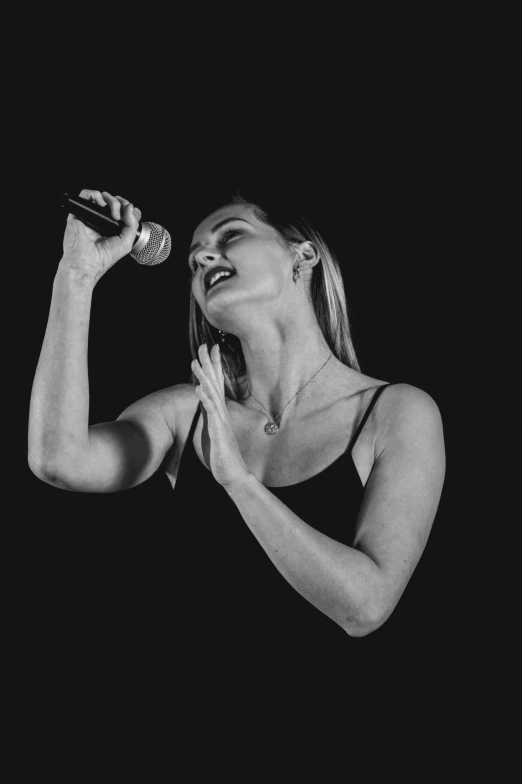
pixel 325 290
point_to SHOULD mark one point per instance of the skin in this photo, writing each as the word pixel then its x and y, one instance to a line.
pixel 263 305
pixel 359 586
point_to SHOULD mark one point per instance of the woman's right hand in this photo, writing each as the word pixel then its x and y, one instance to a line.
pixel 86 250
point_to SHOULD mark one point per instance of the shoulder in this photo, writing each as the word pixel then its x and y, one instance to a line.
pixel 406 400
pixel 394 405
pixel 175 403
pixel 405 414
pixel 176 395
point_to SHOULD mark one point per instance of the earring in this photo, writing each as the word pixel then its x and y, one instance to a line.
pixel 297 273
pixel 223 335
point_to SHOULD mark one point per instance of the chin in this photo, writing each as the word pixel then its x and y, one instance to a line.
pixel 216 308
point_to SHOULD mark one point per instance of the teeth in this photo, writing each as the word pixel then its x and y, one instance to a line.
pixel 218 275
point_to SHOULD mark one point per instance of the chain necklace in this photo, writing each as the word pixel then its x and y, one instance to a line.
pixel 272 426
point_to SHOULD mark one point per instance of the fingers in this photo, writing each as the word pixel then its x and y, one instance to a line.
pixel 94 195
pixel 215 355
pixel 128 233
pixel 116 203
pixel 206 363
pixel 124 202
pixel 211 365
pixel 121 210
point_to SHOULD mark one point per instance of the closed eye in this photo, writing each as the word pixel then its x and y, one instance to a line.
pixel 223 238
pixel 230 231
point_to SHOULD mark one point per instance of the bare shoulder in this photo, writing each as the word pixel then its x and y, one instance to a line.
pixel 405 412
pixel 406 399
pixel 178 395
pixel 172 403
pixel 178 404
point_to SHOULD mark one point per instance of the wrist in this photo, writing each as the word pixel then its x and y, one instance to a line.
pixel 78 271
pixel 241 485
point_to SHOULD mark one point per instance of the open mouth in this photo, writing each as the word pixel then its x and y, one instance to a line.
pixel 220 281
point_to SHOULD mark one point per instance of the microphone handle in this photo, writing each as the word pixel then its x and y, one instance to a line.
pixel 95 216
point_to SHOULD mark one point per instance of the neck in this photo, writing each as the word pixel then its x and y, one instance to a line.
pixel 281 362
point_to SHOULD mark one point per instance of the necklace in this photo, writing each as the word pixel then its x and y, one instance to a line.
pixel 272 426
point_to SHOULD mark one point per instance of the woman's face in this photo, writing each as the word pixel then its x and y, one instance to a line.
pixel 234 238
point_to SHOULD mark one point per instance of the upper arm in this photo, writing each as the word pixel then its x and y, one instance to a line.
pixel 125 452
pixel 403 491
pixel 132 447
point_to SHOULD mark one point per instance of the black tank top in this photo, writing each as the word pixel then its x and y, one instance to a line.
pixel 233 602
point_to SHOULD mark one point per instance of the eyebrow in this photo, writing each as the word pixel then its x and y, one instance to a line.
pixel 214 229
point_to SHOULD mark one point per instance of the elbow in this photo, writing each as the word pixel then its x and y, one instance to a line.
pixel 368 617
pixel 362 626
pixel 45 471
pixel 37 467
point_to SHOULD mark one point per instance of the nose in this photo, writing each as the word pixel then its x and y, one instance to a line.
pixel 205 257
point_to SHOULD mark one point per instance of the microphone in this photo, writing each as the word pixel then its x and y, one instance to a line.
pixel 152 244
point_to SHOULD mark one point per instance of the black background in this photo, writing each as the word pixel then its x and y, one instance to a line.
pixel 93 571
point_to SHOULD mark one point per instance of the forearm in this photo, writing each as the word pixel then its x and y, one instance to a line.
pixel 338 580
pixel 59 407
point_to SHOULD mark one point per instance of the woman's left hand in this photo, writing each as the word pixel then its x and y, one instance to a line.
pixel 226 463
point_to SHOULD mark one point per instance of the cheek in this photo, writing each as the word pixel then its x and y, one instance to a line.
pixel 270 271
pixel 261 262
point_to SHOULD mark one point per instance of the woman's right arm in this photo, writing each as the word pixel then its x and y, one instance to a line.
pixel 62 449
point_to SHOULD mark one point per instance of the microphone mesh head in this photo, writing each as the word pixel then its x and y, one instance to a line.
pixel 157 248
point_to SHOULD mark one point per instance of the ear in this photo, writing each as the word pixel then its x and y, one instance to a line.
pixel 307 252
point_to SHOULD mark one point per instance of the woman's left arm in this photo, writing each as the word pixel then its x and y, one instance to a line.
pixel 358 587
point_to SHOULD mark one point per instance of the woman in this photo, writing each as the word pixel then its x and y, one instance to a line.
pixel 304 490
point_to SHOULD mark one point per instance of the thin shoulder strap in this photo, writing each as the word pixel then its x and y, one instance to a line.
pixel 194 423
pixel 366 415
pixel 172 450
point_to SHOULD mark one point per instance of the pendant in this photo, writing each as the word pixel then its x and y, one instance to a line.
pixel 271 428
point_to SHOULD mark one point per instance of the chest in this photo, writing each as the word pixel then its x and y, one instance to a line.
pixel 303 447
